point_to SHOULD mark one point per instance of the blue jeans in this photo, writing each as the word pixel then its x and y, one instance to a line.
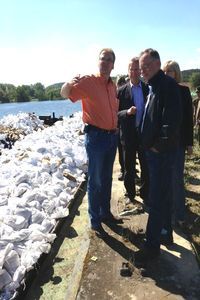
pixel 101 150
pixel 178 185
pixel 160 167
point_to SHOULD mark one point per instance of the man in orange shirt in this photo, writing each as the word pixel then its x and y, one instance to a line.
pixel 100 108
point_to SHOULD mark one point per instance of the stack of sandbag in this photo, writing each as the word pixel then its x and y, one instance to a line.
pixel 38 179
pixel 15 127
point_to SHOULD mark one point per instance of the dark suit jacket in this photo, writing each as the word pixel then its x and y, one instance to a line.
pixel 186 130
pixel 127 129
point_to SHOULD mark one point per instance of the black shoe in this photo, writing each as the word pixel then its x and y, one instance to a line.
pixel 142 257
pixel 121 177
pixel 99 231
pixel 111 220
pixel 166 239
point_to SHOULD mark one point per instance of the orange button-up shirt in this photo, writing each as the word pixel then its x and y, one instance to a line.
pixel 99 101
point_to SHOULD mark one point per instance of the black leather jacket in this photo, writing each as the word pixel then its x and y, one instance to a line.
pixel 161 127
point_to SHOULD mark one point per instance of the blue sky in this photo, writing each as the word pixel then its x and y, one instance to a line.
pixel 50 41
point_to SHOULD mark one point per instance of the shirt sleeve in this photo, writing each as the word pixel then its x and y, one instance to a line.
pixel 80 90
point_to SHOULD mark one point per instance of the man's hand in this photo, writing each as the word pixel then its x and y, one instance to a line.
pixel 78 78
pixel 75 80
pixel 66 88
pixel 131 111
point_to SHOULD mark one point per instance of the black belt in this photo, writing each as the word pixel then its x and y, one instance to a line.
pixel 88 127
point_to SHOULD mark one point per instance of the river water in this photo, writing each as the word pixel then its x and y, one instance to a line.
pixel 41 108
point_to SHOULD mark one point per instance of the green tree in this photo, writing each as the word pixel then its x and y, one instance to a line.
pixel 11 91
pixel 195 80
pixel 7 92
pixel 22 94
pixel 39 91
pixel 3 95
pixel 53 91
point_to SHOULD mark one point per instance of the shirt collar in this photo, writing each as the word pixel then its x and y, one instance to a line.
pixel 103 78
pixel 138 85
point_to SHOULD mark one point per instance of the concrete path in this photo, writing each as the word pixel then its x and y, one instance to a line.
pixel 175 275
pixel 82 267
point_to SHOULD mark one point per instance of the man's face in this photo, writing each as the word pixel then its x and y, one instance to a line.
pixel 106 63
pixel 134 72
pixel 148 66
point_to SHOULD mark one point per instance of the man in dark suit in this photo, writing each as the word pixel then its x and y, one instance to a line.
pixel 132 98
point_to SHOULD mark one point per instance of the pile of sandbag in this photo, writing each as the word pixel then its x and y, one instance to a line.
pixel 39 177
pixel 15 127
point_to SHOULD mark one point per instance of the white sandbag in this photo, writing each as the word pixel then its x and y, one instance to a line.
pixel 3 200
pixel 29 258
pixel 19 274
pixel 4 190
pixel 54 190
pixel 4 253
pixel 21 178
pixel 58 174
pixel 48 225
pixel 60 212
pixel 16 222
pixel 64 196
pixel 37 235
pixel 18 236
pixel 34 204
pixel 14 202
pixel 44 178
pixel 48 206
pixel 5 231
pixel 41 246
pixel 37 216
pixel 5 278
pixel 24 212
pixel 11 262
pixel 19 191
pixel 30 195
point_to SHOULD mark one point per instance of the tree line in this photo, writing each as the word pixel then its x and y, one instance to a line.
pixel 26 93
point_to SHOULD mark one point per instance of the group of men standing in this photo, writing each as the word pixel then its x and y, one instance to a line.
pixel 150 117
